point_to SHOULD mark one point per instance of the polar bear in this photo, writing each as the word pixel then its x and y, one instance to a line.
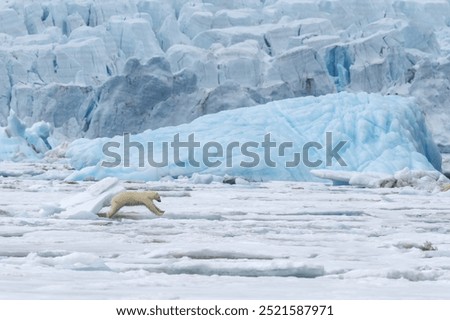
pixel 135 198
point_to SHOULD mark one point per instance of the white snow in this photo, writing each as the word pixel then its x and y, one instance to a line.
pixel 278 240
pixel 381 134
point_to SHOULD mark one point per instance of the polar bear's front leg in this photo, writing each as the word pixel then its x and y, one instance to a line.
pixel 153 208
pixel 159 210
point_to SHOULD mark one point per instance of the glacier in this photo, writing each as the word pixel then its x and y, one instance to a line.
pixel 59 60
pixel 382 134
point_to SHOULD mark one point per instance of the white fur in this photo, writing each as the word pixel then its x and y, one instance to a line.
pixel 135 198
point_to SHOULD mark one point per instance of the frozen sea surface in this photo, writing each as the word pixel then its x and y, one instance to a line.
pixel 277 240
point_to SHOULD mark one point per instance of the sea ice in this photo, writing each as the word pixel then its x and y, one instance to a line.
pixel 270 240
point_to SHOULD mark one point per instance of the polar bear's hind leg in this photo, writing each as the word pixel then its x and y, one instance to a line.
pixel 114 208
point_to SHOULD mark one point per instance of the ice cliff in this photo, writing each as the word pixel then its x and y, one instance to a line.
pixel 97 68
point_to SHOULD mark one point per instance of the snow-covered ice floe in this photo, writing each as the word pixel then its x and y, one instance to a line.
pixel 425 180
pixel 382 134
pixel 84 205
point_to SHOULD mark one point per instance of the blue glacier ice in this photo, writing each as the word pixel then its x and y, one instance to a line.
pixel 67 62
pixel 382 134
pixel 17 142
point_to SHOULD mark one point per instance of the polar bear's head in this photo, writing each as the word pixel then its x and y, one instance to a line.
pixel 152 195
